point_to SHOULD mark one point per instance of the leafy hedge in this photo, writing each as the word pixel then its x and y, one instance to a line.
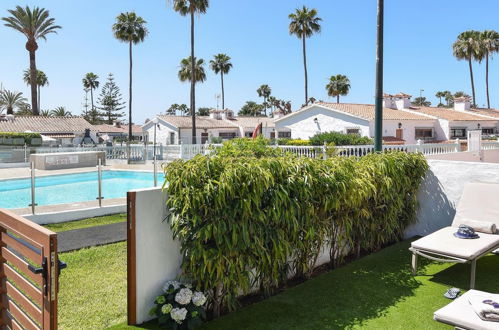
pixel 244 147
pixel 247 221
pixel 293 142
pixel 339 139
pixel 5 136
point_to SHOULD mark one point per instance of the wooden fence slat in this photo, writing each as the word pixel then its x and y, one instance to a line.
pixel 33 292
pixel 22 249
pixel 21 317
pixel 21 265
pixel 23 302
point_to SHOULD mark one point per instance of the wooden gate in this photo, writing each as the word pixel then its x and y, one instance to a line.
pixel 29 268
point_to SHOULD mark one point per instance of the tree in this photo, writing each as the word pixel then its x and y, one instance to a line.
pixel 184 74
pixel 439 95
pixel 172 110
pixel 85 101
pixel 203 112
pixel 11 100
pixel 304 23
pixel 34 24
pixel 221 64
pixel 449 98
pixel 60 112
pixel 41 81
pixel 192 7
pixel 489 44
pixel 91 82
pixel 131 29
pixel 467 47
pixel 338 85
pixel 24 110
pixel 93 117
pixel 45 113
pixel 184 110
pixel 421 102
pixel 264 91
pixel 111 101
pixel 251 108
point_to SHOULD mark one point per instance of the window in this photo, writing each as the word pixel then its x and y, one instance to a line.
pixel 172 138
pixel 354 131
pixel 248 134
pixel 227 135
pixel 458 133
pixel 424 133
pixel 488 131
pixel 283 135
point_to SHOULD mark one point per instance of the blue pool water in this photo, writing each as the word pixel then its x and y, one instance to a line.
pixel 70 188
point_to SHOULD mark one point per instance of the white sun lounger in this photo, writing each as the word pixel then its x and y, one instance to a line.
pixel 460 315
pixel 479 202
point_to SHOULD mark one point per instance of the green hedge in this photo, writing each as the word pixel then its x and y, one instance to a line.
pixel 245 221
pixel 339 139
pixel 8 138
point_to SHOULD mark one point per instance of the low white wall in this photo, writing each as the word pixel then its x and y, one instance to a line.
pixel 158 255
pixel 441 190
pixel 56 217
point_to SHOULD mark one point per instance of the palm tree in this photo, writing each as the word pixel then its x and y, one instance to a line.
pixel 131 29
pixel 91 82
pixel 264 91
pixel 467 47
pixel 449 98
pixel 60 112
pixel 489 42
pixel 45 113
pixel 34 24
pixel 338 85
pixel 186 7
pixel 184 74
pixel 11 100
pixel 439 95
pixel 41 81
pixel 221 64
pixel 24 110
pixel 304 23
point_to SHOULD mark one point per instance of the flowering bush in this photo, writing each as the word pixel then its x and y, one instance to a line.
pixel 179 307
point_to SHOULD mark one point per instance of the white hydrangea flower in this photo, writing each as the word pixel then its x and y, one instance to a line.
pixel 178 314
pixel 188 285
pixel 184 296
pixel 175 284
pixel 198 299
pixel 166 308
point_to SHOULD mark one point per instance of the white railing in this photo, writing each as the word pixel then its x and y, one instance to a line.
pixel 490 145
pixel 304 151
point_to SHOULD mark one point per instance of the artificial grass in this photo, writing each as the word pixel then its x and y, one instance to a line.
pixel 374 292
pixel 85 223
pixel 92 293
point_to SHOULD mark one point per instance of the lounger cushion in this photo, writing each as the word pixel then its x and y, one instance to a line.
pixel 460 314
pixel 479 203
pixel 444 242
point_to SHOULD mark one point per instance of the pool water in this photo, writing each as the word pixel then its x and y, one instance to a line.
pixel 71 188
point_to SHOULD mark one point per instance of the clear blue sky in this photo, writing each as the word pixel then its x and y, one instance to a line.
pixel 418 55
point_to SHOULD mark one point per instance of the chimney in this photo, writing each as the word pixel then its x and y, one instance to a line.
pixel 117 124
pixel 402 101
pixel 227 114
pixel 214 114
pixel 462 103
pixel 388 101
pixel 278 114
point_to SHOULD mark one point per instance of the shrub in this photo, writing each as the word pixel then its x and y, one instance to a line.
pixel 245 221
pixel 244 147
pixel 339 139
pixel 8 138
pixel 293 142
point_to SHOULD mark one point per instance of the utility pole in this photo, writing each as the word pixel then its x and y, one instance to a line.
pixel 378 123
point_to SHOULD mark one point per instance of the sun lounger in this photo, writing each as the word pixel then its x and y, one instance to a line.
pixel 479 202
pixel 461 315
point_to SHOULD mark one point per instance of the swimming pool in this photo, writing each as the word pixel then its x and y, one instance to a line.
pixel 71 188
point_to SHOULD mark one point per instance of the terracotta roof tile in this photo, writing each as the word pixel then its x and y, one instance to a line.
pixel 252 122
pixel 41 124
pixel 366 111
pixel 449 114
pixel 486 112
pixel 106 128
pixel 201 122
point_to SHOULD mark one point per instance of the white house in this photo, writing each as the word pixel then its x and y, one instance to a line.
pixel 401 121
pixel 220 124
pixel 117 130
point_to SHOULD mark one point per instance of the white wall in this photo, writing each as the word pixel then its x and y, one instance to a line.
pixel 158 255
pixel 472 125
pixel 162 134
pixel 409 126
pixel 302 124
pixel 442 189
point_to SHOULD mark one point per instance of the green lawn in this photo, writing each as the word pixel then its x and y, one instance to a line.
pixel 92 292
pixel 375 292
pixel 91 222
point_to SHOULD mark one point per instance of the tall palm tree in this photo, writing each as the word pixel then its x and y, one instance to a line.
pixel 264 91
pixel 489 43
pixel 11 100
pixel 34 24
pixel 338 85
pixel 449 98
pixel 45 113
pixel 304 23
pixel 131 29
pixel 467 47
pixel 91 82
pixel 439 95
pixel 41 81
pixel 192 7
pixel 186 65
pixel 221 64
pixel 60 112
